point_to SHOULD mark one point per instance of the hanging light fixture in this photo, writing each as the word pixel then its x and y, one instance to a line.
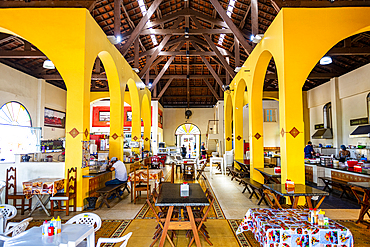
pixel 186 32
pixel 187 53
pixel 325 60
pixel 256 39
pixel 48 64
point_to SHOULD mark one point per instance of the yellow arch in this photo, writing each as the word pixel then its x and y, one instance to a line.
pixel 295 54
pixel 72 45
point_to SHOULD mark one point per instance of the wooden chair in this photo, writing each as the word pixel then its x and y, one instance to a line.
pixel 201 170
pixel 141 182
pixel 11 182
pixel 69 194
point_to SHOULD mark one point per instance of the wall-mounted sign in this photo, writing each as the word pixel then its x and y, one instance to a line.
pixel 319 126
pixel 358 121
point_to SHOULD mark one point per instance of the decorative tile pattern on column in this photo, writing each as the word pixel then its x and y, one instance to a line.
pixel 86 133
pixel 135 138
pixel 74 132
pixel 114 136
pixel 239 138
pixel 146 139
pixel 282 132
pixel 257 136
pixel 294 132
pixel 228 139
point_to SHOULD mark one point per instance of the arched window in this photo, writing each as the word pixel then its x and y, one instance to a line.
pixel 187 129
pixel 14 113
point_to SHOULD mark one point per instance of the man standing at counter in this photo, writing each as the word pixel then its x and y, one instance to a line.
pixel 308 151
pixel 121 173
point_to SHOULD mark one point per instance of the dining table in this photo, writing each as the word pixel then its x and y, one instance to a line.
pixel 170 196
pixel 291 228
pixel 42 189
pixel 300 190
pixel 269 175
pixel 364 200
pixel 216 160
pixel 70 236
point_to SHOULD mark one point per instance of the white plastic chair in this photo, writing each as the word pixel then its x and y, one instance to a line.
pixel 2 187
pixel 86 219
pixel 9 212
pixel 123 239
pixel 17 229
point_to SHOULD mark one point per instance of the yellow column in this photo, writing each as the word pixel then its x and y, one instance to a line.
pixel 306 118
pixel 291 130
pixel 238 121
pixel 116 126
pixel 147 118
pixel 228 113
pixel 256 135
pixel 77 126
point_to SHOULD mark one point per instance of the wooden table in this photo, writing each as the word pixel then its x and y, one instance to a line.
pixel 169 196
pixel 278 190
pixel 154 175
pixel 269 175
pixel 40 188
pixel 364 202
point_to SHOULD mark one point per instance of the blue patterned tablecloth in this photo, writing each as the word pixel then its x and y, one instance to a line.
pixel 290 228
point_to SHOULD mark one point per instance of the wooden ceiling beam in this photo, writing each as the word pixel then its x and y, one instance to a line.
pixel 213 91
pixel 21 54
pixel 319 4
pixel 221 11
pixel 158 49
pixel 164 89
pixel 350 51
pixel 214 48
pixel 46 4
pixel 140 26
pixel 182 31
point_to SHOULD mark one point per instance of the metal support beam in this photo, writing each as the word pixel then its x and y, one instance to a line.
pixel 199 31
pixel 163 70
pixel 350 51
pixel 237 52
pixel 140 26
pixel 136 53
pixel 238 34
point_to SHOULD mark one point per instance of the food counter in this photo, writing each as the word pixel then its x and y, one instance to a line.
pixel 313 171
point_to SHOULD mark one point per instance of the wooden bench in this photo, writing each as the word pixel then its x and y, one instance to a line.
pixel 111 190
pixel 334 182
pixel 256 187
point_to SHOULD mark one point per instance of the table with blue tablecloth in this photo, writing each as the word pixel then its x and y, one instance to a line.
pixel 291 228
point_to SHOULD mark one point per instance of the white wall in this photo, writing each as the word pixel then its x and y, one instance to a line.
pixel 173 117
pixel 35 95
pixel 352 89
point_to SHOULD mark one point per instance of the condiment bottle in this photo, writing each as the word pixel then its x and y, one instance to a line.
pixel 310 216
pixel 315 216
pixel 59 225
pixel 321 218
pixel 45 226
pixel 51 230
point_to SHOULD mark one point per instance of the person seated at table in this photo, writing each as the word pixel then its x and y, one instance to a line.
pixel 308 151
pixel 121 173
pixel 343 153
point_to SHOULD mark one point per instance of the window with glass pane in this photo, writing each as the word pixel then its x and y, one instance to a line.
pixel 269 115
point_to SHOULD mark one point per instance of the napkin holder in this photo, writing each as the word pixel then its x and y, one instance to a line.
pixel 277 170
pixel 289 185
pixel 184 190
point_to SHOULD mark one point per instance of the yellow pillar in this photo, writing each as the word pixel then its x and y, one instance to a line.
pixel 147 118
pixel 291 130
pixel 238 105
pixel 306 118
pixel 77 126
pixel 228 113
